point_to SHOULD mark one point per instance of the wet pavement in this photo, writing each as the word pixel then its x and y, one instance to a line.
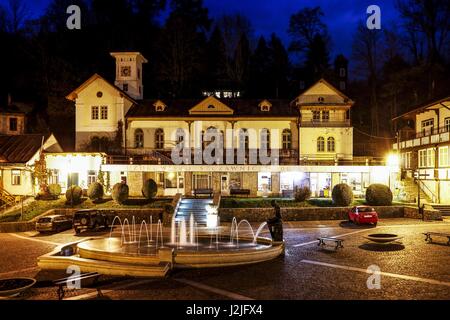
pixel 410 269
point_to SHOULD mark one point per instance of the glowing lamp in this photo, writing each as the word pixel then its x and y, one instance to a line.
pixel 393 160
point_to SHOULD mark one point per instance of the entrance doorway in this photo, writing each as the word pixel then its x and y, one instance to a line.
pixel 72 179
pixel 224 185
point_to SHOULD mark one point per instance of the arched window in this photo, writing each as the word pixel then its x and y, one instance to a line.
pixel 159 139
pixel 138 138
pixel 179 136
pixel 287 139
pixel 320 144
pixel 265 138
pixel 331 145
pixel 243 139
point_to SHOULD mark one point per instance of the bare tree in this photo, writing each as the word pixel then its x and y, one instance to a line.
pixel 18 14
pixel 365 53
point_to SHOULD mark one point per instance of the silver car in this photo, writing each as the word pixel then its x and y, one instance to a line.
pixel 54 223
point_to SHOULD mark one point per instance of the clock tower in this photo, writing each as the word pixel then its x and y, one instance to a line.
pixel 129 73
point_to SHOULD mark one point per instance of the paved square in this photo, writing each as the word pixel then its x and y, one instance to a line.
pixel 412 269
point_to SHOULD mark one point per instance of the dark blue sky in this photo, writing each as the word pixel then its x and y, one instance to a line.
pixel 267 16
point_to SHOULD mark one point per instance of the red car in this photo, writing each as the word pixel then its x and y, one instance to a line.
pixel 363 215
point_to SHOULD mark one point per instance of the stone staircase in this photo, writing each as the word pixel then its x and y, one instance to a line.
pixel 409 192
pixel 443 208
pixel 6 199
pixel 195 207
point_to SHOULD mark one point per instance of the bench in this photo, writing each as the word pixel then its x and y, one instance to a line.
pixel 338 242
pixel 62 283
pixel 429 239
pixel 203 192
pixel 235 192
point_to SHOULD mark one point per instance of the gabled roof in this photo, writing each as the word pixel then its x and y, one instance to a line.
pixel 74 94
pixel 313 97
pixel 424 106
pixel 21 148
pixel 211 106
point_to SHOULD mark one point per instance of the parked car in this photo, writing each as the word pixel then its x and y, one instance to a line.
pixel 90 220
pixel 54 223
pixel 363 215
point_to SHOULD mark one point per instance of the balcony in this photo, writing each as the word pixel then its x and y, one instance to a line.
pixel 427 137
pixel 321 123
pixel 144 156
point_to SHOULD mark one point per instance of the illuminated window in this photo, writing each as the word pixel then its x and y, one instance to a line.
pixel 138 138
pixel 287 139
pixel 316 115
pixel 447 124
pixel 104 112
pixel 94 113
pixel 443 157
pixel 16 177
pixel 320 144
pixel 265 139
pixel 264 181
pixel 159 139
pixel 426 158
pixel 243 139
pixel 53 176
pixel 91 177
pixel 331 146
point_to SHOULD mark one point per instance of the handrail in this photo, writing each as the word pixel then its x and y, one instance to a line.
pixel 433 196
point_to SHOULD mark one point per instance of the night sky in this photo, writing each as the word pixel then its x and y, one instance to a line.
pixel 269 16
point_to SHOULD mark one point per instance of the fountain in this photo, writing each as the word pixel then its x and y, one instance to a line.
pixel 131 250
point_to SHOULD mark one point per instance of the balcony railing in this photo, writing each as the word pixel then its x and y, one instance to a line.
pixel 431 136
pixel 164 157
pixel 323 123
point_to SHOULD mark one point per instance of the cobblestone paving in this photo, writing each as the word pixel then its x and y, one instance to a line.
pixel 288 277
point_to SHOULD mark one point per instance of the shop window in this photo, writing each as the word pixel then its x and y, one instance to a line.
pixel 170 180
pixel 264 182
pixel 235 180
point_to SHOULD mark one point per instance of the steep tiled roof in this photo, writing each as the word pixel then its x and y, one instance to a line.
pixel 241 108
pixel 19 148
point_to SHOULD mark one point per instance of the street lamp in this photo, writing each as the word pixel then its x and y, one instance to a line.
pixel 393 164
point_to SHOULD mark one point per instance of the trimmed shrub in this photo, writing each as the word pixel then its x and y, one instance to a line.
pixel 73 194
pixel 342 195
pixel 54 189
pixel 149 189
pixel 120 192
pixel 95 191
pixel 378 195
pixel 302 193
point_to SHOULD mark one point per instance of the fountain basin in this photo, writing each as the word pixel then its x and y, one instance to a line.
pixel 109 256
pixel 383 237
pixel 13 286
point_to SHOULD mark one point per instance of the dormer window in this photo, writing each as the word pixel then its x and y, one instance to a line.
pixel 210 106
pixel 265 106
pixel 159 106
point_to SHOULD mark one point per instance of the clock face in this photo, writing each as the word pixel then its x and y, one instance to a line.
pixel 125 71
